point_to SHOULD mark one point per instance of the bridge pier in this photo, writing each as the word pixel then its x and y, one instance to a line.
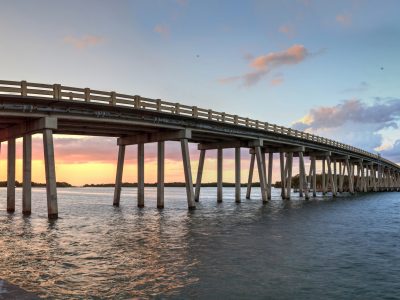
pixel 270 162
pixel 261 173
pixel 314 175
pixel 188 174
pixel 140 175
pixel 199 174
pixel 250 178
pixel 160 173
pixel 219 174
pixel 27 174
pixel 11 175
pixel 51 184
pixel 119 173
pixel 283 173
pixel 323 174
pixel 237 175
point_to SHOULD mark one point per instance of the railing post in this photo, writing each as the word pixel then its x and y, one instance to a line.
pixel 87 94
pixel 136 101
pixel 113 98
pixel 195 112
pixel 158 101
pixel 24 89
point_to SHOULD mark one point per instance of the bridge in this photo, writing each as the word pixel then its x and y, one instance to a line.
pixel 28 108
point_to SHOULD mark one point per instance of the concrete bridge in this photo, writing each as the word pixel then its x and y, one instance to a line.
pixel 28 108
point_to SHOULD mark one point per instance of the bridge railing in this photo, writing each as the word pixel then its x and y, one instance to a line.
pixel 60 92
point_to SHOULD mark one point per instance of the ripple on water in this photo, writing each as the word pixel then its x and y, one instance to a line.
pixel 322 249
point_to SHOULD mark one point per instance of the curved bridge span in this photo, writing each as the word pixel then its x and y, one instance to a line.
pixel 28 108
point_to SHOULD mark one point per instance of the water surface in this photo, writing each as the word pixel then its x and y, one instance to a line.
pixel 348 248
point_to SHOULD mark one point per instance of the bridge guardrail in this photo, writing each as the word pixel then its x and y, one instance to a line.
pixel 60 92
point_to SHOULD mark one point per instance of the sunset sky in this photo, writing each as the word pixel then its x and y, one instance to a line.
pixel 326 67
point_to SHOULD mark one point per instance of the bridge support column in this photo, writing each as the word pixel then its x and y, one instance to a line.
pixel 261 173
pixel 27 174
pixel 118 176
pixel 331 178
pixel 350 175
pixel 304 185
pixel 237 175
pixel 199 175
pixel 335 177
pixel 283 174
pixel 160 173
pixel 219 174
pixel 341 176
pixel 11 175
pixel 250 179
pixel 188 173
pixel 270 162
pixel 289 165
pixel 314 175
pixel 301 178
pixel 323 178
pixel 140 179
pixel 51 183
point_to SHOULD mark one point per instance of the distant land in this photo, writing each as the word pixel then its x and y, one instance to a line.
pixel 168 184
pixel 36 184
pixel 295 184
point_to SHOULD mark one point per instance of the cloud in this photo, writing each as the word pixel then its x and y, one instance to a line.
pixel 361 87
pixel 264 64
pixel 393 153
pixel 276 81
pixel 163 30
pixel 344 19
pixel 354 122
pixel 288 30
pixel 83 42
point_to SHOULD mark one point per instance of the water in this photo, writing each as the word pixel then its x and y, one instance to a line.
pixel 348 248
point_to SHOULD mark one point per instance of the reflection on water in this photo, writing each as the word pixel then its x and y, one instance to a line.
pixel 324 248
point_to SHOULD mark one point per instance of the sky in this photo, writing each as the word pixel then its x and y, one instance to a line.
pixel 325 67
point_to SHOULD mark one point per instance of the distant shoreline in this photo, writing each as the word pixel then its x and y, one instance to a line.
pixel 129 184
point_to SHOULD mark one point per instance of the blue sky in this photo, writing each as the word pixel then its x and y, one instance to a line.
pixel 310 54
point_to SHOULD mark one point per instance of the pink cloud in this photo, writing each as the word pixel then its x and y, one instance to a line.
pixel 344 19
pixel 83 42
pixel 263 64
pixel 288 30
pixel 163 30
pixel 290 56
pixel 277 81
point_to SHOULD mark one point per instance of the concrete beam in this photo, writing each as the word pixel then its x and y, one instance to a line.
pixel 222 145
pixel 154 137
pixel 30 127
pixel 285 149
pixel 256 143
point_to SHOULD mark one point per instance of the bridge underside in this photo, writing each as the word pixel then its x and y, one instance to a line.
pixel 342 170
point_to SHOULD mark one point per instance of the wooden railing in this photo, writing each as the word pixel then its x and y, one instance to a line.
pixel 60 92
